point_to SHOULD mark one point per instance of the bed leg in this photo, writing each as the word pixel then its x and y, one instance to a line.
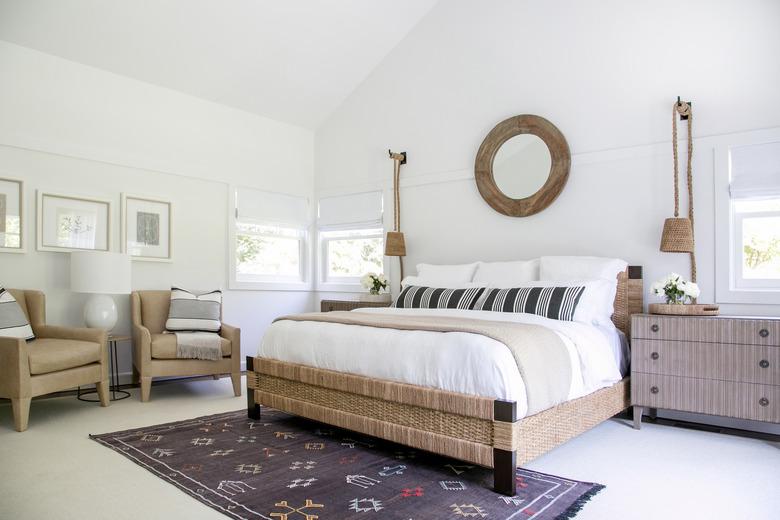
pixel 505 461
pixel 252 408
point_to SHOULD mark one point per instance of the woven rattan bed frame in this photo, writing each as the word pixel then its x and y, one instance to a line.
pixel 476 429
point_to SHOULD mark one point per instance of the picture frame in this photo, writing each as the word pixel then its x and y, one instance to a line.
pixel 72 223
pixel 12 222
pixel 147 228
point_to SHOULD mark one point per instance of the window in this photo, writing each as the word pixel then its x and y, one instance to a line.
pixel 268 241
pixel 351 239
pixel 756 243
pixel 748 223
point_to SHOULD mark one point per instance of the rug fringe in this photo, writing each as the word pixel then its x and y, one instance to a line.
pixel 574 509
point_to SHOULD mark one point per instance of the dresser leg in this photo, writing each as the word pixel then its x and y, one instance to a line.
pixel 653 413
pixel 637 417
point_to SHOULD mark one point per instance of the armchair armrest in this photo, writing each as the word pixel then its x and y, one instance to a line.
pixel 80 334
pixel 230 332
pixel 14 368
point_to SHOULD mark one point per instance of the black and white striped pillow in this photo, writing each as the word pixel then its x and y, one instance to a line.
pixel 13 322
pixel 416 297
pixel 189 312
pixel 557 303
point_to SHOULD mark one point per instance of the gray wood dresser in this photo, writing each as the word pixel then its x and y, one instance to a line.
pixel 718 365
pixel 348 305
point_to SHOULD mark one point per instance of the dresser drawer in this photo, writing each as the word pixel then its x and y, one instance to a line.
pixel 740 363
pixel 744 331
pixel 709 396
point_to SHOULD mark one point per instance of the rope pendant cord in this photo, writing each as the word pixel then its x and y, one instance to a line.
pixel 684 109
pixel 396 196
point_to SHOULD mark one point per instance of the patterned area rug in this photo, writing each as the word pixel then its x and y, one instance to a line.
pixel 287 468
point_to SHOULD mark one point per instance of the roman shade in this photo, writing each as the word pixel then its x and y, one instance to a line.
pixel 363 208
pixel 755 171
pixel 272 208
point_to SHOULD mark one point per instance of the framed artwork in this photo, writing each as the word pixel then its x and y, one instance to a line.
pixel 11 216
pixel 68 223
pixel 147 228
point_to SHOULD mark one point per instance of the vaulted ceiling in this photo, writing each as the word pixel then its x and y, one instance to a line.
pixel 293 61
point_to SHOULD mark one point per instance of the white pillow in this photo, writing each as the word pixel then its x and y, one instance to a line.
pixel 446 275
pixel 420 281
pixel 559 268
pixel 505 275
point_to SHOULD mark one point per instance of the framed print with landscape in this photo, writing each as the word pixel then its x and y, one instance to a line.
pixel 67 223
pixel 11 216
pixel 146 228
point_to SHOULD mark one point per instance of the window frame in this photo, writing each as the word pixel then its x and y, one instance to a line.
pixel 727 291
pixel 269 282
pixel 343 283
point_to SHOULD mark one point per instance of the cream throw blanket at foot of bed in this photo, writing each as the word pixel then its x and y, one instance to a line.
pixel 198 345
pixel 541 355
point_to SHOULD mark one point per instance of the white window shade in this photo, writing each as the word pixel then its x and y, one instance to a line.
pixel 269 207
pixel 755 171
pixel 363 208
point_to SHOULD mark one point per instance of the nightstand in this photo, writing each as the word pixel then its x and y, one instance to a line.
pixel 348 305
pixel 717 365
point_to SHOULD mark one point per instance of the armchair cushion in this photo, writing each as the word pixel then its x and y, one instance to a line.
pixel 52 355
pixel 164 346
pixel 13 321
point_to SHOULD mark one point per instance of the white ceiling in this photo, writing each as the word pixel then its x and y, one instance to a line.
pixel 293 61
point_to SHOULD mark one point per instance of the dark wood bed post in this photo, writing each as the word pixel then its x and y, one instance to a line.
pixel 252 408
pixel 505 461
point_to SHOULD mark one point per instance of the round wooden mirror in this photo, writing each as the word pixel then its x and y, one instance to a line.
pixel 522 165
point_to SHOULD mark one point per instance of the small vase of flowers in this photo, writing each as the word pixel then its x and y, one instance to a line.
pixel 679 295
pixel 375 283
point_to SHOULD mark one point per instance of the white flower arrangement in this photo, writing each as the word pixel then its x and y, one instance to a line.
pixel 375 283
pixel 675 289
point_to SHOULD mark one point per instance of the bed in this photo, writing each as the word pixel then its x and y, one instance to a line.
pixel 480 424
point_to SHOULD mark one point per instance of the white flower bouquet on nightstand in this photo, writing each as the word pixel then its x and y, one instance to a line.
pixel 375 283
pixel 679 295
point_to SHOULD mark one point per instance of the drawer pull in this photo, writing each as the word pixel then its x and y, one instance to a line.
pixel 654 355
pixel 763 363
pixel 654 390
pixel 763 401
pixel 654 327
pixel 763 333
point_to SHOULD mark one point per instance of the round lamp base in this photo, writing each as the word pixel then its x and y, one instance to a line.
pixel 100 312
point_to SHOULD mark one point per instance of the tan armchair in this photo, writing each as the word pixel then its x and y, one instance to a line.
pixel 57 359
pixel 154 353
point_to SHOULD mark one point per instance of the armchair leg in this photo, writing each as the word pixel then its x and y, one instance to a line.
pixel 146 388
pixel 236 378
pixel 102 390
pixel 21 409
pixel 136 376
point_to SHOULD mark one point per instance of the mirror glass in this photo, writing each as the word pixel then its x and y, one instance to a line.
pixel 522 166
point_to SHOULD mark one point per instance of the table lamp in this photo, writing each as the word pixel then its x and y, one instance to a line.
pixel 100 274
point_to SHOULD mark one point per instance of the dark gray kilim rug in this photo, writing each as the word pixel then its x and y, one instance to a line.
pixel 287 468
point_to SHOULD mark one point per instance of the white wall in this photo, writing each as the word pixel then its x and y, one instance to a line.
pixel 65 127
pixel 606 73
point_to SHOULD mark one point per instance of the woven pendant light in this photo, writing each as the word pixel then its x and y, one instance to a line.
pixel 677 235
pixel 395 245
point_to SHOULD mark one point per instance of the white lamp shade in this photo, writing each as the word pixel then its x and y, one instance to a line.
pixel 99 272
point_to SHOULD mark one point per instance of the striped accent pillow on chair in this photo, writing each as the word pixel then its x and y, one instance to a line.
pixel 557 303
pixel 189 312
pixel 13 322
pixel 416 297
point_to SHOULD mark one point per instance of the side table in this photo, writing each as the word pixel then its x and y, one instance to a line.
pixel 113 374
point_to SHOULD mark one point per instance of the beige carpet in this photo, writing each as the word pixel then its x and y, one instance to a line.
pixel 55 471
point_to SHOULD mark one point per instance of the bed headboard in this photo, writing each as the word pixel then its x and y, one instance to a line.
pixel 629 298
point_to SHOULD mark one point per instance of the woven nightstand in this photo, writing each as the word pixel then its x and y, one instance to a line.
pixel 719 365
pixel 348 305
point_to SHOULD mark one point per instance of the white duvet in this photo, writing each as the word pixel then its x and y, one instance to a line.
pixel 455 361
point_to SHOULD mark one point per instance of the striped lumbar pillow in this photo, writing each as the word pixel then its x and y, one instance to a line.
pixel 189 312
pixel 13 322
pixel 557 303
pixel 416 297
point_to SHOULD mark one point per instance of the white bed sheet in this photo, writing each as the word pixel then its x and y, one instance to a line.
pixel 455 361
